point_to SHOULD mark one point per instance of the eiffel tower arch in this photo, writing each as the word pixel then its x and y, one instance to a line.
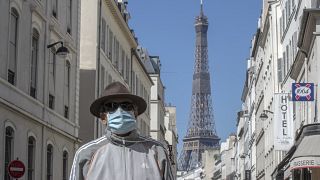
pixel 201 133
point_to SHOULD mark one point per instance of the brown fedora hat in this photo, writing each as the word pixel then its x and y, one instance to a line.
pixel 113 91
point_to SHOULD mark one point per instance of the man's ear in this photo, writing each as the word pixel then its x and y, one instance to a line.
pixel 103 118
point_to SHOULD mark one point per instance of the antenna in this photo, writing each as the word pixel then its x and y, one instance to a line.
pixel 201 7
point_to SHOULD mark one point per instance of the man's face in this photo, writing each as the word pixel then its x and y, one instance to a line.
pixel 112 106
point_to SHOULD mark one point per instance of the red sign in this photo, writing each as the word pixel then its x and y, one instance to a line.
pixel 16 169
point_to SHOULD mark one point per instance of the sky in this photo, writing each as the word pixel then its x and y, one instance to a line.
pixel 166 29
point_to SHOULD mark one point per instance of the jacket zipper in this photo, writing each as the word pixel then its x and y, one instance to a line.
pixel 125 160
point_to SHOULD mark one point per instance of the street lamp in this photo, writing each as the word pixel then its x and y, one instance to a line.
pixel 61 51
pixel 264 115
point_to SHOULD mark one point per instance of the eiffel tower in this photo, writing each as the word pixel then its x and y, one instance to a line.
pixel 201 133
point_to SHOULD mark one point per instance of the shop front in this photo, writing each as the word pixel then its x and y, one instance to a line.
pixel 302 162
pixel 305 162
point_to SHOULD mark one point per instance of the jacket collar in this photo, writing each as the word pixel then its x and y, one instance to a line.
pixel 128 140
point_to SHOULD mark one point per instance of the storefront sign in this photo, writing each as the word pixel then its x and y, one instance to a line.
pixel 283 122
pixel 305 162
pixel 302 91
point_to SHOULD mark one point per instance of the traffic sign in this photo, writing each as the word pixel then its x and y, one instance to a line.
pixel 16 169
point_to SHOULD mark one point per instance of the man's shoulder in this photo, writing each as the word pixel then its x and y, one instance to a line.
pixel 92 145
pixel 152 142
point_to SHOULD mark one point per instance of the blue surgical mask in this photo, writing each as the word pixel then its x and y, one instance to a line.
pixel 121 122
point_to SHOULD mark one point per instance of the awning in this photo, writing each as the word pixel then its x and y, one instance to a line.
pixel 307 154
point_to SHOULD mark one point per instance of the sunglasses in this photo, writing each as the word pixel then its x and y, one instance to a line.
pixel 113 106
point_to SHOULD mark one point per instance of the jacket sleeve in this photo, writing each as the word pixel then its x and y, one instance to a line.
pixel 164 163
pixel 79 167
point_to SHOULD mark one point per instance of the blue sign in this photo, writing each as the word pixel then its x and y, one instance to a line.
pixel 302 91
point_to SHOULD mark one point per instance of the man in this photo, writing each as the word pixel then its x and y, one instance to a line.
pixel 121 153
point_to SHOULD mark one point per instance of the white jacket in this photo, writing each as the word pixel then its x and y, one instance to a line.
pixel 121 158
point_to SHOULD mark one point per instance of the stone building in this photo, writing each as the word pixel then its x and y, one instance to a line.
pixel 157 101
pixel 39 86
pixel 283 52
pixel 109 53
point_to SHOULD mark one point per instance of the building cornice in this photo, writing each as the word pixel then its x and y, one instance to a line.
pixel 256 40
pixel 121 22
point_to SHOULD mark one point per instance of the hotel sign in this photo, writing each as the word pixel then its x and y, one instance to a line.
pixel 302 91
pixel 283 122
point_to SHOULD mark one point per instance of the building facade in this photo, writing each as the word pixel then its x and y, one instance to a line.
pixel 283 52
pixel 208 162
pixel 108 54
pixel 152 64
pixel 38 87
pixel 171 136
pixel 227 152
pixel 300 35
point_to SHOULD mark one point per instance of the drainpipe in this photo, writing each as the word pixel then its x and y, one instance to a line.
pixel 98 64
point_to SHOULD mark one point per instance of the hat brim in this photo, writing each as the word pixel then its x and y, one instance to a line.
pixel 136 100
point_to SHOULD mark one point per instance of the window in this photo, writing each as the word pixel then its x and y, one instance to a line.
pixel 122 64
pixel 103 35
pixel 109 79
pixel 69 16
pixel 283 21
pixel 294 44
pixel 137 85
pixel 67 89
pixel 51 101
pixel 287 12
pixel 116 62
pixel 67 76
pixel 133 84
pixel 110 44
pixel 66 112
pixel 284 64
pixel 293 4
pixel 65 165
pixel 102 84
pixel 54 4
pixel 52 68
pixel 52 71
pixel 107 41
pixel 8 150
pixel 49 162
pixel 127 71
pixel 31 157
pixel 287 59
pixel 289 8
pixel 34 63
pixel 13 46
pixel 281 27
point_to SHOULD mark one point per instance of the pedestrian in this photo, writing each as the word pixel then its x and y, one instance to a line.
pixel 121 153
